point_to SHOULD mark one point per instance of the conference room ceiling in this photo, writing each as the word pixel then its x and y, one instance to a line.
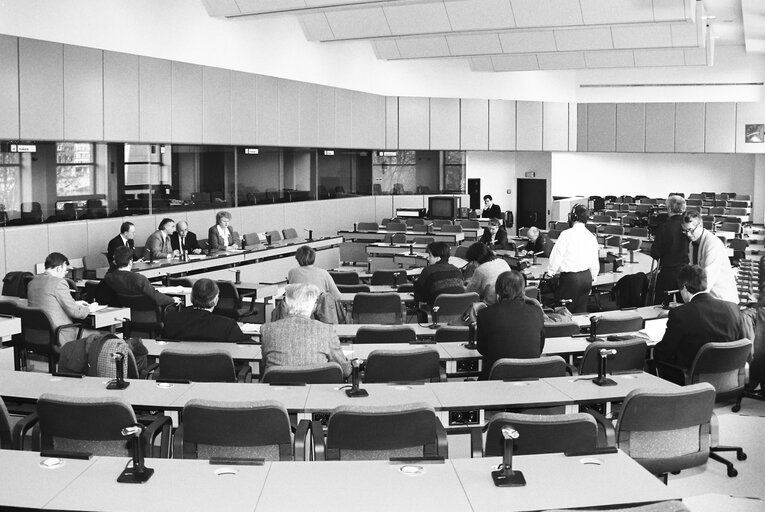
pixel 524 35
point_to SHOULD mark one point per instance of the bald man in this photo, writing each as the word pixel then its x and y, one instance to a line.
pixel 184 240
pixel 536 241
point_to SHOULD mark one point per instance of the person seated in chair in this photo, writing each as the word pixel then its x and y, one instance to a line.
pixel 513 327
pixel 221 236
pixel 439 276
pixel 306 273
pixel 184 240
pixel 123 281
pixel 199 323
pixel 488 269
pixel 495 236
pixel 700 320
pixel 298 340
pixel 490 210
pixel 536 242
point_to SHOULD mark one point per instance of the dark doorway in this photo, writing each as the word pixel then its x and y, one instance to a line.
pixel 532 203
pixel 474 189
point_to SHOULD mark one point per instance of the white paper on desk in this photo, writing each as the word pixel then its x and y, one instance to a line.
pixel 176 290
pixel 655 328
pixel 102 307
pixel 250 328
pixel 195 256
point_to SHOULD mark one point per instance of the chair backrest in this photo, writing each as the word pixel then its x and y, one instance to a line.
pixel 452 333
pixel 420 228
pixel 437 223
pixel 367 226
pixel 731 226
pixel 6 435
pixel 396 226
pixel 101 364
pixel 470 224
pixel 411 222
pixel 447 228
pixel 228 300
pixel 601 219
pixel 553 234
pixel 560 329
pixel 92 425
pixel 412 365
pixel 275 235
pixel 320 373
pixel 37 331
pixel 630 356
pixel 15 283
pixel 380 433
pixel 613 230
pixel 423 240
pixel 461 251
pixel 398 238
pixel 145 314
pixel 395 334
pixel 609 325
pixel 388 277
pixel 722 365
pixel 289 233
pixel 549 433
pixel 454 304
pixel 353 252
pixel 377 308
pixel 197 366
pixel 666 431
pixel 353 288
pixel 527 369
pixel 345 277
pixel 234 430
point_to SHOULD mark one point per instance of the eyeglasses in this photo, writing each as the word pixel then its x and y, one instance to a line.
pixel 686 231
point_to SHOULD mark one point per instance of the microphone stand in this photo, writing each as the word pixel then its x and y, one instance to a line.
pixel 435 325
pixel 505 476
pixel 601 379
pixel 119 382
pixel 139 473
pixel 355 391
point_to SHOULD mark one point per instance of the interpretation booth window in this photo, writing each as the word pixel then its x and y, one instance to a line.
pixel 74 169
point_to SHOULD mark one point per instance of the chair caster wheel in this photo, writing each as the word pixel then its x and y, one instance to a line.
pixel 732 472
pixel 741 455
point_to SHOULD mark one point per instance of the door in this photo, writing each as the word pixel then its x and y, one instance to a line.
pixel 474 189
pixel 532 203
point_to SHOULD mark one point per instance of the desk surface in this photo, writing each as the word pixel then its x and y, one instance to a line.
pixel 580 388
pixel 292 397
pixel 497 394
pixel 325 397
pixel 240 352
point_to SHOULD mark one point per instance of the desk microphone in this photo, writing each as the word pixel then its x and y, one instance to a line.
pixel 119 382
pixel 471 337
pixel 139 473
pixel 310 234
pixel 435 325
pixel 534 257
pixel 668 298
pixel 505 476
pixel 355 226
pixel 593 328
pixel 355 391
pixel 601 379
pixel 166 279
pixel 411 249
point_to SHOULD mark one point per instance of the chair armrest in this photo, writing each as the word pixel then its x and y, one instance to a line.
pixel 57 332
pixel 178 442
pixel 20 430
pixel 317 440
pixel 300 442
pixel 442 443
pixel 476 442
pixel 671 372
pixel 161 425
pixel 606 427
pixel 151 370
pixel 245 374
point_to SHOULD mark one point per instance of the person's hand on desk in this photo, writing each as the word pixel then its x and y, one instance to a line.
pixel 234 246
pixel 174 254
pixel 196 251
pixel 177 301
pixel 92 308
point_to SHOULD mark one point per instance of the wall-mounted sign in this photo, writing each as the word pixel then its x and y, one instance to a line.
pixel 386 153
pixel 329 152
pixel 530 174
pixel 23 148
pixel 251 151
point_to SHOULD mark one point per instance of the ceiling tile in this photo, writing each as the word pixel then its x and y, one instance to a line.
pixel 327 3
pixel 659 58
pixel 610 59
pixel 481 64
pixel 493 14
pixel 358 23
pixel 602 12
pixel 515 62
pixel 417 18
pixel 642 36
pixel 386 49
pixel 261 6
pixel 221 7
pixel 527 41
pixel 546 13
pixel 561 60
pixel 412 47
pixel 583 39
pixel 684 34
pixel 474 44
pixel 671 10
pixel 316 27
pixel 696 57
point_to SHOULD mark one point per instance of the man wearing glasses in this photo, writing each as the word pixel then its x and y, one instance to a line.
pixel 708 252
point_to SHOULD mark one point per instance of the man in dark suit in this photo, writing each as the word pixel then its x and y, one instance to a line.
pixel 702 319
pixel 124 239
pixel 490 210
pixel 198 323
pixel 184 240
pixel 536 241
pixel 670 248
pixel 495 236
pixel 124 282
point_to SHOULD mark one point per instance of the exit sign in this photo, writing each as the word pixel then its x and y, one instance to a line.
pixel 530 174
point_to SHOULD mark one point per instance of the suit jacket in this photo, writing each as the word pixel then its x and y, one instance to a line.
pixel 691 325
pixel 495 212
pixel 510 328
pixel 537 245
pixel 298 341
pixel 190 241
pixel 500 241
pixel 117 242
pixel 159 249
pixel 713 258
pixel 216 242
pixel 132 283
pixel 194 324
pixel 52 294
pixel 670 245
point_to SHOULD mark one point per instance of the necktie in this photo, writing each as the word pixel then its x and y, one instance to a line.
pixel 695 252
pixel 183 243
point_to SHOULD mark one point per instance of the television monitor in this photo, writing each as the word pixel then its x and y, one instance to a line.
pixel 443 207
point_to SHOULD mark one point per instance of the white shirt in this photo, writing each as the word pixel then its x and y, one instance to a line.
pixel 225 234
pixel 575 250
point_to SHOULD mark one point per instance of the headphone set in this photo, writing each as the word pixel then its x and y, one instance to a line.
pixel 575 212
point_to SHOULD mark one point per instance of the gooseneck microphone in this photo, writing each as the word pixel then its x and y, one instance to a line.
pixel 119 382
pixel 138 473
pixel 505 476
pixel 601 379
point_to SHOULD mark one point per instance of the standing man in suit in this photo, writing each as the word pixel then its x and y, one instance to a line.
pixel 221 236
pixel 495 236
pixel 184 240
pixel 670 248
pixel 50 291
pixel 700 320
pixel 158 244
pixel 490 210
pixel 124 239
pixel 124 282
pixel 708 252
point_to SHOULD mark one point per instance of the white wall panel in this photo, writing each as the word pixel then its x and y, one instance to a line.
pixel 368 120
pixel 529 126
pixel 121 97
pixel 343 118
pixel 83 93
pixel 720 128
pixel 474 124
pixel 187 103
pixel 660 127
pixel 9 87
pixel 41 89
pixel 630 127
pixel 444 123
pixel 289 113
pixel 601 127
pixel 243 98
pixel 35 243
pixel 749 113
pixel 413 123
pixel 216 105
pixel 689 127
pixel 501 125
pixel 581 127
pixel 68 237
pixel 155 79
pixel 391 122
pixel 555 126
pixel 267 111
pixel 98 233
pixel 308 96
pixel 326 116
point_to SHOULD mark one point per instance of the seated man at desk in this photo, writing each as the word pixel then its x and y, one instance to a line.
pixel 495 236
pixel 184 240
pixel 513 327
pixel 199 323
pixel 221 236
pixel 298 340
pixel 490 210
pixel 701 319
pixel 158 244
pixel 439 276
pixel 536 241
pixel 124 239
pixel 50 291
pixel 306 273
pixel 123 281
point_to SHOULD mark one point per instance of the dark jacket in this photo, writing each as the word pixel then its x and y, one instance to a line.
pixel 190 241
pixel 692 325
pixel 436 279
pixel 510 328
pixel 194 324
pixel 670 244
pixel 215 241
pixel 495 212
pixel 500 240
pixel 131 283
pixel 117 242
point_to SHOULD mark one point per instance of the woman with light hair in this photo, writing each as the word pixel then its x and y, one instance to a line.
pixel 221 236
pixel 308 274
pixel 297 339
